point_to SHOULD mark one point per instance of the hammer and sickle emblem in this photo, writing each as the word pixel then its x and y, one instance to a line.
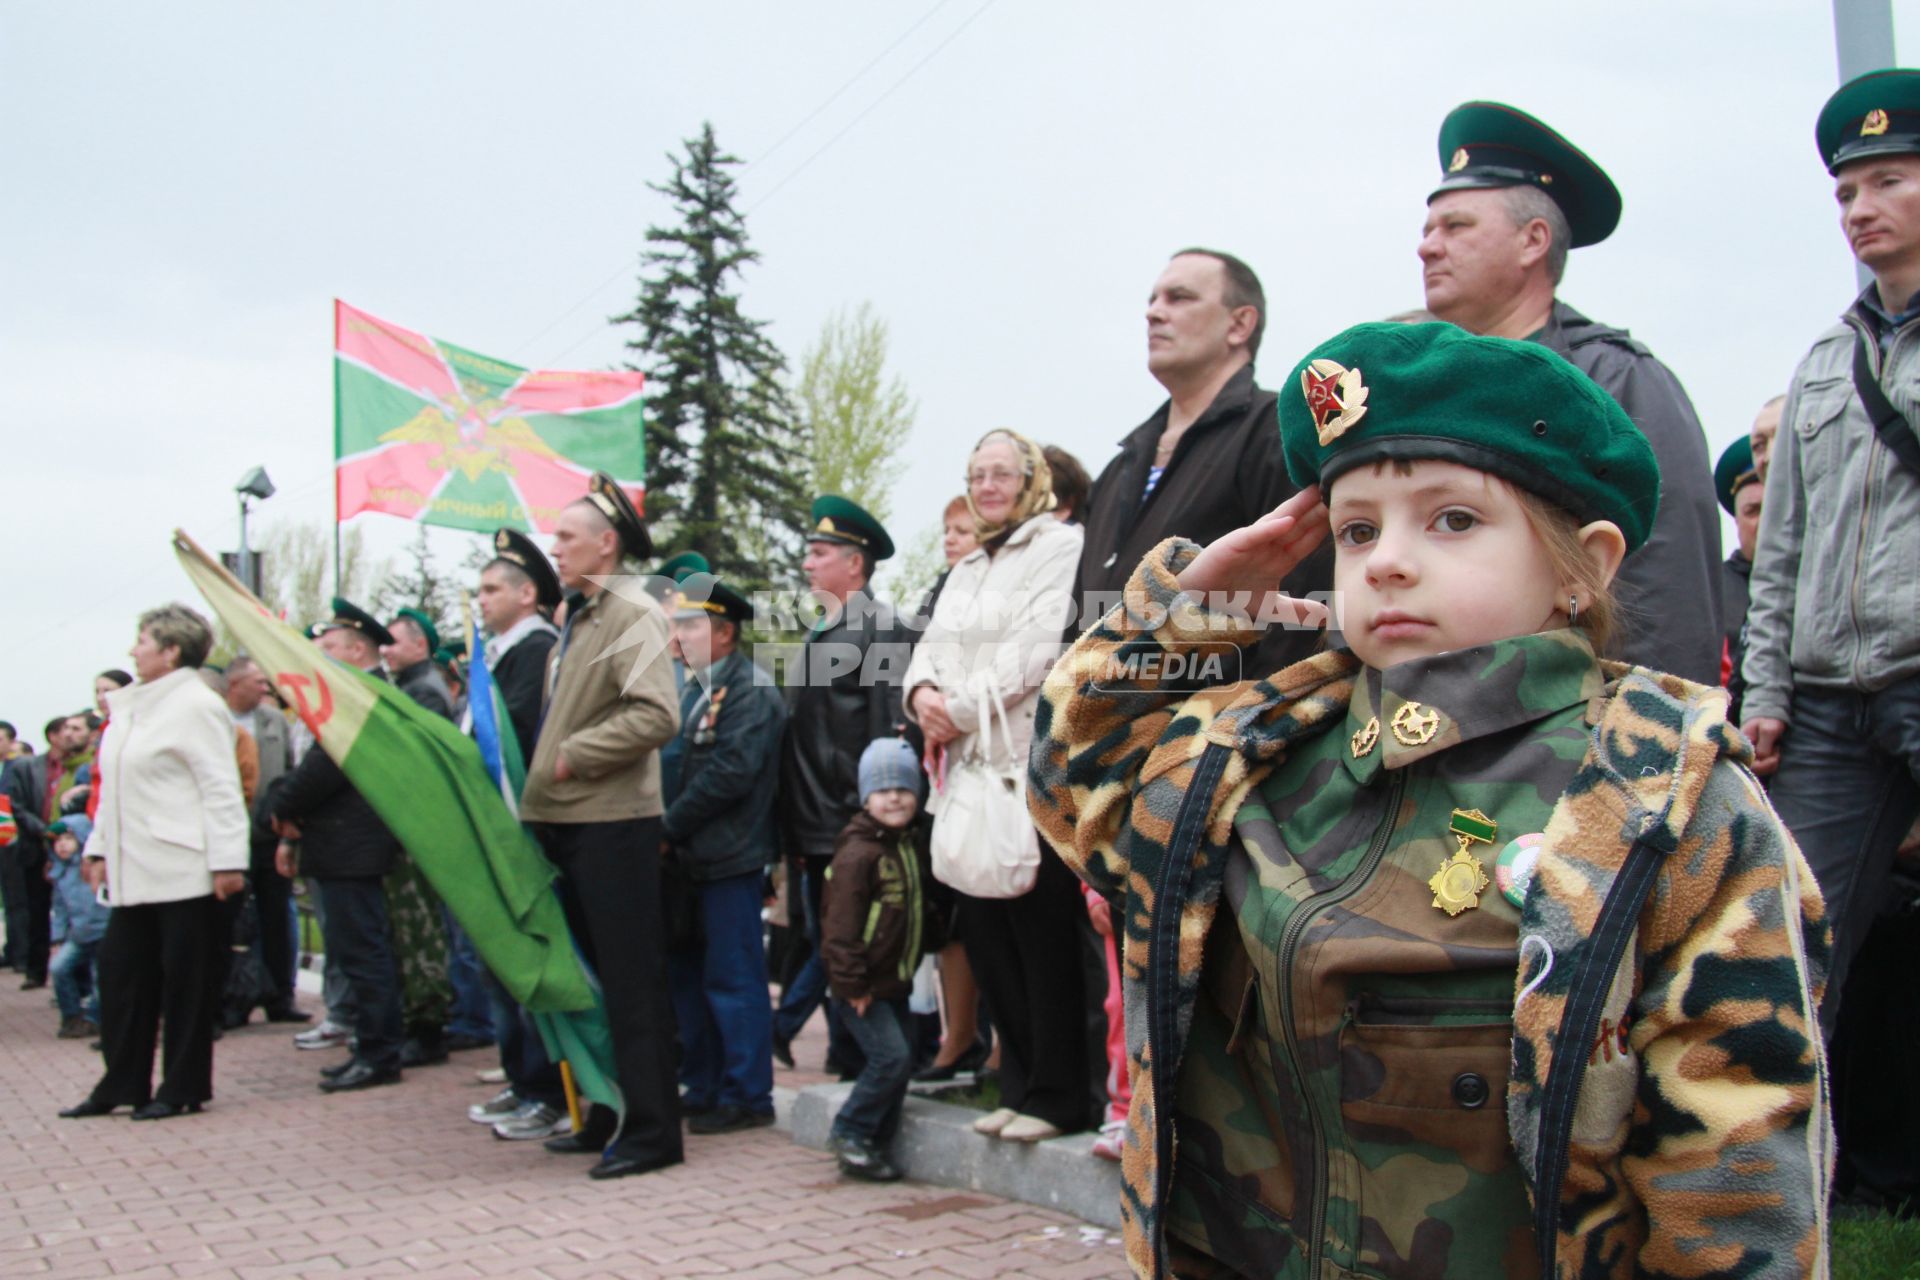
pixel 311 716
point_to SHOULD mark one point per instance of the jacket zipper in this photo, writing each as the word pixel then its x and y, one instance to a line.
pixel 1289 941
pixel 1879 363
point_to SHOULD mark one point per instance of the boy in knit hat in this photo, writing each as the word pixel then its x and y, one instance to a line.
pixel 872 936
pixel 79 922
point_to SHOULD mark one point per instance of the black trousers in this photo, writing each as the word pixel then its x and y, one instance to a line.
pixel 610 888
pixel 156 966
pixel 272 892
pixel 29 908
pixel 1025 954
pixel 356 929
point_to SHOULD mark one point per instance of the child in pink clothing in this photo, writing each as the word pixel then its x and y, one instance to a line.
pixel 1119 1087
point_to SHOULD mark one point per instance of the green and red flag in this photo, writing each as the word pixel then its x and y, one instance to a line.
pixel 429 431
pixel 426 781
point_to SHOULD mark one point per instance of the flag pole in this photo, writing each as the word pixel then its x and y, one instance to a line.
pixel 573 1097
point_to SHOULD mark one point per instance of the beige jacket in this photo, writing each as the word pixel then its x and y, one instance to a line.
pixel 610 705
pixel 171 813
pixel 995 633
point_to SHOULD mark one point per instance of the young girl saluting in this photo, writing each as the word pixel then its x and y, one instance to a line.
pixel 1458 953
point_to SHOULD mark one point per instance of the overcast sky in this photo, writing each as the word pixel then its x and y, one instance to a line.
pixel 186 187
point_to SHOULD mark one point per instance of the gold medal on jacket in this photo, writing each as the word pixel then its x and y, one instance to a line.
pixel 1460 881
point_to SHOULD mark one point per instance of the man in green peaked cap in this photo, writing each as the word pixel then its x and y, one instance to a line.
pixel 410 658
pixel 844 693
pixel 1833 631
pixel 1514 196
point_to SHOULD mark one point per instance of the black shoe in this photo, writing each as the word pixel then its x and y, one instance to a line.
pixel 33 984
pixel 85 1108
pixel 625 1166
pixel 782 1050
pixel 460 1041
pixel 360 1075
pixel 423 1051
pixel 578 1144
pixel 287 1013
pixel 729 1120
pixel 865 1161
pixel 337 1070
pixel 158 1110
pixel 691 1111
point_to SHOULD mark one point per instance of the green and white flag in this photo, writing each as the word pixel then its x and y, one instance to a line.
pixel 426 781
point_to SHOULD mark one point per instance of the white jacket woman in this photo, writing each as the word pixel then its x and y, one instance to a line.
pixel 171 835
pixel 171 813
pixel 994 634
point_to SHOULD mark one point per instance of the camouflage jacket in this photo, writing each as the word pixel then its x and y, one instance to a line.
pixel 1666 897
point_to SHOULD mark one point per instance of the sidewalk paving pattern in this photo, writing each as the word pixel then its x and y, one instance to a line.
pixel 277 1180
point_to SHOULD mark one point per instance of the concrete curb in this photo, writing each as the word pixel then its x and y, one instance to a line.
pixel 937 1144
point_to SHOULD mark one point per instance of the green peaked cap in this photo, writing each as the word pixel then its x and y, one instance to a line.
pixel 1877 114
pixel 1409 392
pixel 1489 144
pixel 678 567
pixel 419 619
pixel 1734 472
pixel 837 519
pixel 353 617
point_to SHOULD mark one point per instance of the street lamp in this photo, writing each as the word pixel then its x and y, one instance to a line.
pixel 252 485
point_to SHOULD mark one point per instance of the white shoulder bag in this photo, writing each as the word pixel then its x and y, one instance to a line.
pixel 984 841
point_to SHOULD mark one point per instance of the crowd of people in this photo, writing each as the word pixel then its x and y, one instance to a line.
pixel 1246 930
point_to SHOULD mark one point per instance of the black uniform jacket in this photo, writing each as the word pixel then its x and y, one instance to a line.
pixel 1225 473
pixel 842 694
pixel 341 837
pixel 521 675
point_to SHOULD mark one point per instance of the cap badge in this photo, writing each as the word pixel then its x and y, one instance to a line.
pixel 501 541
pixel 1364 739
pixel 1875 124
pixel 1335 397
pixel 1458 162
pixel 1460 881
pixel 1415 725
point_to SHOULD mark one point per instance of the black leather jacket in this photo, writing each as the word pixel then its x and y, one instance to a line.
pixel 842 694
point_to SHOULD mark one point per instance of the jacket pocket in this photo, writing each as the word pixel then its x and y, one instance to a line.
pixel 175 831
pixel 1423 1103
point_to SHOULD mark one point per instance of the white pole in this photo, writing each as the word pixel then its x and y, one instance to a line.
pixel 1862 42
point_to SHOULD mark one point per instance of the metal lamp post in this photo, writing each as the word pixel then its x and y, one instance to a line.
pixel 252 485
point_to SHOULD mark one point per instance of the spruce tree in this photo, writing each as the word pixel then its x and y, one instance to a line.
pixel 726 456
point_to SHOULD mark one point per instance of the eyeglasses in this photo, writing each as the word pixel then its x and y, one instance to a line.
pixel 997 476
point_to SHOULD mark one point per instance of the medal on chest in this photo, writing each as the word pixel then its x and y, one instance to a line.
pixel 1460 881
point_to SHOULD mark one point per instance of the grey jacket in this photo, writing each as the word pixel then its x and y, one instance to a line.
pixel 1669 590
pixel 1836 577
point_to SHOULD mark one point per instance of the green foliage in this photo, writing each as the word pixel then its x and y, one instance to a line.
pixel 421 583
pixel 726 457
pixel 857 419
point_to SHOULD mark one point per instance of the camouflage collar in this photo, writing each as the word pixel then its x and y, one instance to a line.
pixel 1410 711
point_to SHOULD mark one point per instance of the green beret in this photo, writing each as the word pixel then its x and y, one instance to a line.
pixel 353 618
pixel 1434 391
pixel 1734 472
pixel 419 618
pixel 678 567
pixel 704 596
pixel 1488 144
pixel 1877 114
pixel 836 519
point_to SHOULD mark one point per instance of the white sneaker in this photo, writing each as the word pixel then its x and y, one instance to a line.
pixel 994 1121
pixel 534 1120
pixel 1027 1129
pixel 492 1075
pixel 501 1106
pixel 327 1035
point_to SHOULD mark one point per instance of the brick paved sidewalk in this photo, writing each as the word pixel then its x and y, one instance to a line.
pixel 277 1180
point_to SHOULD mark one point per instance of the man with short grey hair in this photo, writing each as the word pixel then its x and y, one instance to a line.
pixel 1514 198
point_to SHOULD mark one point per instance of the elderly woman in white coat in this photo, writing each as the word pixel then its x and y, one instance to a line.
pixel 169 843
pixel 994 634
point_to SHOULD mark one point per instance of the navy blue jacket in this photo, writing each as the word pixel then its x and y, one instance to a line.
pixel 720 823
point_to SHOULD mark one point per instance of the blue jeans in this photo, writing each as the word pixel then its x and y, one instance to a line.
pixel 720 1001
pixel 472 1012
pixel 523 1055
pixel 808 990
pixel 1848 788
pixel 871 1112
pixel 76 980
